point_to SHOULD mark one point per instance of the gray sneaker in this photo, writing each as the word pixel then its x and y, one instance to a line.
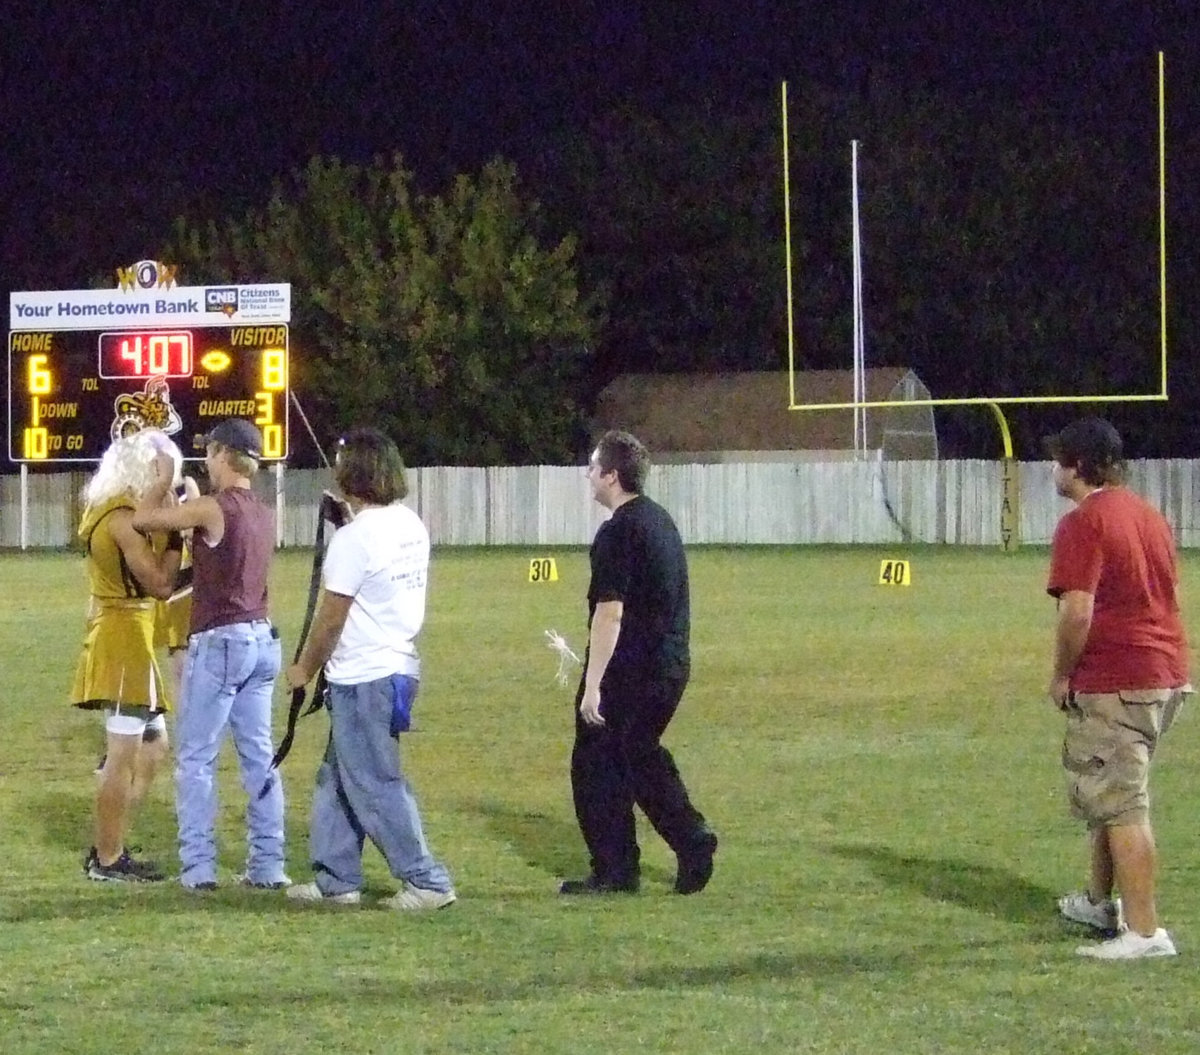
pixel 416 899
pixel 1080 908
pixel 311 892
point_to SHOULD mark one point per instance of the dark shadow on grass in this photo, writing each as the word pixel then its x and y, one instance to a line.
pixel 550 844
pixel 63 818
pixel 983 888
pixel 107 900
pixel 832 964
pixel 65 821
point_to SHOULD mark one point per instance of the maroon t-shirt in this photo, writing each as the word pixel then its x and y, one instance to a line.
pixel 230 578
pixel 1117 547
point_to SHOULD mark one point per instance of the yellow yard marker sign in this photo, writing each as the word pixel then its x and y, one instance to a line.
pixel 543 569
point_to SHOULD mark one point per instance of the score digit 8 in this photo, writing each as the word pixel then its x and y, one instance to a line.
pixel 274 379
pixel 274 369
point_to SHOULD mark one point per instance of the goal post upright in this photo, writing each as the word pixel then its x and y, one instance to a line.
pixel 1010 507
pixel 1162 215
pixel 787 250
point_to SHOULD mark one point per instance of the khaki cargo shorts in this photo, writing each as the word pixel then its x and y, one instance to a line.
pixel 1107 748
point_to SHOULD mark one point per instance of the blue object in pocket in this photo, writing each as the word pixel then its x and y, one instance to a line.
pixel 404 692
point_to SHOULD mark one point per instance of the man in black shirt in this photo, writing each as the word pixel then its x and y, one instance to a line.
pixel 635 671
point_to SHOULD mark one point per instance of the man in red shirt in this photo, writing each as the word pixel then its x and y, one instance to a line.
pixel 1120 675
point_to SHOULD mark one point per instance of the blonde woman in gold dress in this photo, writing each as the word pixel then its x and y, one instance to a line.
pixel 118 672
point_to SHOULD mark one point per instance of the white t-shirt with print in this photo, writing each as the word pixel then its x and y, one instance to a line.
pixel 381 559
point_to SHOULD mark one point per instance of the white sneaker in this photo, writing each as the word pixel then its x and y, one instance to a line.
pixel 1080 908
pixel 1130 945
pixel 312 892
pixel 414 898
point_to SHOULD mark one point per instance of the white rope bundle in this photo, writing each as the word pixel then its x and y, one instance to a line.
pixel 566 656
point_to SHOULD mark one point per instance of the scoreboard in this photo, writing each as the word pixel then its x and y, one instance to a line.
pixel 88 366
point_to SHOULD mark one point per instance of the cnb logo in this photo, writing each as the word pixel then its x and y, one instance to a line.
pixel 146 274
pixel 224 299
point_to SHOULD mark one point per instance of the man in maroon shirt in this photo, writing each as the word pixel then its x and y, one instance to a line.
pixel 233 657
pixel 1120 674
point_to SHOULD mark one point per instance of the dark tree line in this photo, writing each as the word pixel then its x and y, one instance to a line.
pixel 1006 252
pixel 445 319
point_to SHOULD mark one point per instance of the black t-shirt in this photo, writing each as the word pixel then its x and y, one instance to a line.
pixel 638 559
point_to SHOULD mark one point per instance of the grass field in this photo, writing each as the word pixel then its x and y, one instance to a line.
pixel 880 763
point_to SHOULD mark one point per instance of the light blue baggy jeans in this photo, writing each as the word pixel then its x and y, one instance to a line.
pixel 361 793
pixel 227 681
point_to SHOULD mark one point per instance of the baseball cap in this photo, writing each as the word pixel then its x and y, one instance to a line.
pixel 1091 440
pixel 237 434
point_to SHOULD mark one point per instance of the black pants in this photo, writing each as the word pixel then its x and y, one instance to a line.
pixel 621 763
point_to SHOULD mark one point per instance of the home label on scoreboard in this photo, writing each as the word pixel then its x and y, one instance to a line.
pixel 88 366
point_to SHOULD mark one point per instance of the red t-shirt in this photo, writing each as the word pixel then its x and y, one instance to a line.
pixel 1117 547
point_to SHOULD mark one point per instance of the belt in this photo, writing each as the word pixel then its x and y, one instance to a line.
pixel 135 604
pixel 243 622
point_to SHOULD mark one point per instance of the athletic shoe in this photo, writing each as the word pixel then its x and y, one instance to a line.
pixel 1080 908
pixel 696 864
pixel 593 884
pixel 282 883
pixel 411 898
pixel 312 892
pixel 123 870
pixel 1130 945
pixel 205 886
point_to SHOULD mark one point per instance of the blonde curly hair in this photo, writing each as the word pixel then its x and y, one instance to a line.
pixel 128 466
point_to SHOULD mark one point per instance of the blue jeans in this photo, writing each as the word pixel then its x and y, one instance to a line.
pixel 361 793
pixel 227 681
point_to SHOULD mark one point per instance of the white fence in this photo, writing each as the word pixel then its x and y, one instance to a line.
pixel 955 502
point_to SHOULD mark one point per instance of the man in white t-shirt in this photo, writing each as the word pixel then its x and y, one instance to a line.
pixel 363 634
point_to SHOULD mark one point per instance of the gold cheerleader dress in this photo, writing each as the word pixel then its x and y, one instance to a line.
pixel 118 666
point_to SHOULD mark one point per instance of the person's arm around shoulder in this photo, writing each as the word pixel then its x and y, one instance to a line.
pixel 602 643
pixel 157 512
pixel 323 636
pixel 155 572
pixel 1075 608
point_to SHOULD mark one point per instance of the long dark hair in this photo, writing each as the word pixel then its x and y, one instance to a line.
pixel 369 468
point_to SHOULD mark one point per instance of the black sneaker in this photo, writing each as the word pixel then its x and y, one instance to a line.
pixel 593 884
pixel 123 870
pixel 696 864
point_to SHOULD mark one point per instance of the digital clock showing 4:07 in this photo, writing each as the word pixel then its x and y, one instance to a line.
pixel 146 354
pixel 72 392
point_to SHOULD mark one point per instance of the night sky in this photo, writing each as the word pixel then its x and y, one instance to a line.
pixel 117 117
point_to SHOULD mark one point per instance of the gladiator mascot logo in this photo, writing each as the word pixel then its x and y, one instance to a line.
pixel 148 409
